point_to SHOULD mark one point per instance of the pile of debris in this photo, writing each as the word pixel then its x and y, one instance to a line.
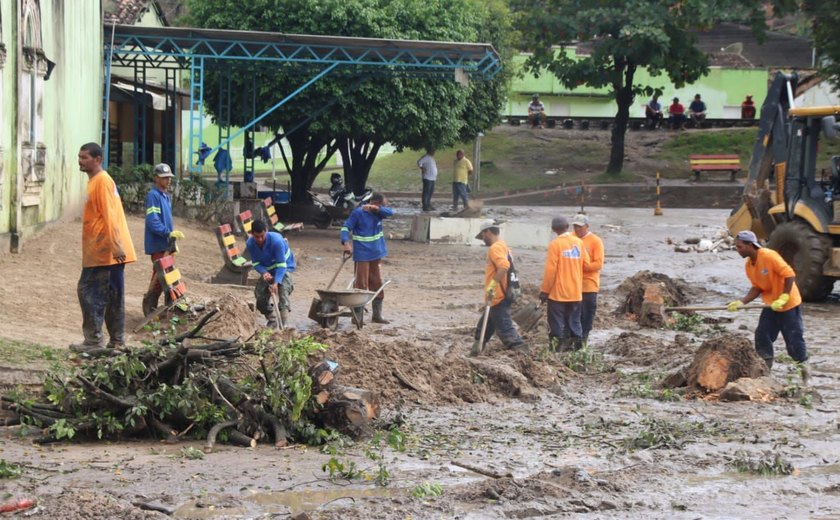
pixel 194 385
pixel 720 240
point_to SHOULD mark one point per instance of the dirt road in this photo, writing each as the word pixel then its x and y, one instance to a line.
pixel 602 444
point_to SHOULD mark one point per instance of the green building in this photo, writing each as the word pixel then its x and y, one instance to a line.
pixel 50 104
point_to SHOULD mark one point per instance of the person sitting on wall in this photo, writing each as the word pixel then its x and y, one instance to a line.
pixel 653 113
pixel 676 115
pixel 536 112
pixel 697 111
pixel 748 108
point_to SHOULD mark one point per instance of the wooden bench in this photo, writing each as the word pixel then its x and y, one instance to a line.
pixel 170 278
pixel 235 263
pixel 273 220
pixel 724 162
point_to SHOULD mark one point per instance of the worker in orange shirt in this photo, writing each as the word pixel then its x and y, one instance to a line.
pixel 775 281
pixel 591 272
pixel 562 285
pixel 495 287
pixel 106 248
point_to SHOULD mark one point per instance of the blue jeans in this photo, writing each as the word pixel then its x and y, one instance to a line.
pixel 563 317
pixel 587 313
pixel 459 192
pixel 428 191
pixel 500 322
pixel 101 292
pixel 789 323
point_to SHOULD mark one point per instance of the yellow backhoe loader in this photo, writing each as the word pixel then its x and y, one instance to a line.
pixel 785 201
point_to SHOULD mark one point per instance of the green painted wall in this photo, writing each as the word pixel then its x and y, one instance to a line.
pixel 723 90
pixel 71 33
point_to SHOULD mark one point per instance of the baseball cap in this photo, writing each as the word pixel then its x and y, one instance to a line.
pixel 535 96
pixel 676 99
pixel 163 170
pixel 487 224
pixel 580 220
pixel 748 237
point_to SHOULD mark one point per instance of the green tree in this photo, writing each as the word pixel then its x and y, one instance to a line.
pixel 622 36
pixel 825 16
pixel 354 111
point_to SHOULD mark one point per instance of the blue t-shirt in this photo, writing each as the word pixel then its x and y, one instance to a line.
pixel 368 238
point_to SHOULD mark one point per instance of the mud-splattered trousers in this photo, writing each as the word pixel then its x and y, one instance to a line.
pixel 789 323
pixel 263 295
pixel 101 293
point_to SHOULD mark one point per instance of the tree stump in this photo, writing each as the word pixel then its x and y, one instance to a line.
pixel 723 359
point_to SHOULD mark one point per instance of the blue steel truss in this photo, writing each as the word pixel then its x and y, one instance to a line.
pixel 196 49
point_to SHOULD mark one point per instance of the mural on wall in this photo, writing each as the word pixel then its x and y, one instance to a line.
pixel 33 70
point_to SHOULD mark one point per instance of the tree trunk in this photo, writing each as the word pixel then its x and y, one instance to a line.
pixel 624 98
pixel 357 157
pixel 306 163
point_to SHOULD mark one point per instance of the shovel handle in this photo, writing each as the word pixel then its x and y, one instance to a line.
pixel 716 308
pixel 344 257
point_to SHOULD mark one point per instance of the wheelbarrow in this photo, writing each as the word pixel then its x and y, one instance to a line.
pixel 332 304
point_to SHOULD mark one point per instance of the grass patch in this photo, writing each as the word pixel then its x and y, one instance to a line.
pixel 659 433
pixel 29 355
pixel 643 387
pixel 10 470
pixel 769 465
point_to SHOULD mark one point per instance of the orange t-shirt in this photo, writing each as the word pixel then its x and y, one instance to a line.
pixel 592 272
pixel 104 229
pixel 768 275
pixel 564 265
pixel 496 259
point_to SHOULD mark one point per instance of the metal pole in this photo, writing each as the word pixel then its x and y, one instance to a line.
pixel 477 161
pixel 657 212
pixel 106 123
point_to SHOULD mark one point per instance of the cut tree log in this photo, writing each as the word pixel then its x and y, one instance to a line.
pixel 350 410
pixel 723 359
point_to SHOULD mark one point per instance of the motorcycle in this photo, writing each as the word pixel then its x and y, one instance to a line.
pixel 343 197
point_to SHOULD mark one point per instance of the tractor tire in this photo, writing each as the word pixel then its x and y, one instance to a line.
pixel 806 251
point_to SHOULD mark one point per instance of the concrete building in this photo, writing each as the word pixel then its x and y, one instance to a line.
pixel 50 104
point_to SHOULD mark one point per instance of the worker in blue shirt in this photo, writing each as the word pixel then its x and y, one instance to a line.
pixel 269 256
pixel 364 228
pixel 159 238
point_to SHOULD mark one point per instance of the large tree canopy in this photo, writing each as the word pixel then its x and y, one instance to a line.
pixel 623 36
pixel 825 16
pixel 355 111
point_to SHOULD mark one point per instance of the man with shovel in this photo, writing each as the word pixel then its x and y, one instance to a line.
pixel 364 229
pixel 496 316
pixel 269 257
pixel 775 281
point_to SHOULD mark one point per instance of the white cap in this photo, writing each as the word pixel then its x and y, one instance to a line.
pixel 748 237
pixel 487 224
pixel 580 220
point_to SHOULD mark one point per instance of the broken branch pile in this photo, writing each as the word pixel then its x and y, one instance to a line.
pixel 229 390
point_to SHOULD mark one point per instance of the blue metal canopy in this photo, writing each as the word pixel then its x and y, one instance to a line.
pixel 194 49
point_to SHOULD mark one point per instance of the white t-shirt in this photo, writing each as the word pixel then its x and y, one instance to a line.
pixel 429 166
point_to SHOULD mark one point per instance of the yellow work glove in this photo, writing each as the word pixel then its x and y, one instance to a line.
pixel 491 289
pixel 733 306
pixel 780 302
pixel 176 234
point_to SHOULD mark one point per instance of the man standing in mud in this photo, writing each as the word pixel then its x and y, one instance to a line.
pixel 269 255
pixel 495 285
pixel 591 272
pixel 106 248
pixel 562 286
pixel 159 237
pixel 775 281
pixel 364 229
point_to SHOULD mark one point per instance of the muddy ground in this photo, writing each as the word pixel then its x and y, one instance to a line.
pixel 606 442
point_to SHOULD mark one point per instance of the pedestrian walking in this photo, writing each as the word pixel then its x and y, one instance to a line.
pixel 775 281
pixel 363 237
pixel 106 248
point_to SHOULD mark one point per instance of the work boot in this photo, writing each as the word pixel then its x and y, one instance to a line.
pixel 575 343
pixel 81 348
pixel 769 362
pixel 377 313
pixel 476 349
pixel 805 372
pixel 284 317
pixel 150 303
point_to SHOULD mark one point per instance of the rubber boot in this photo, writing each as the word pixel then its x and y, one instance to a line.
pixel 150 303
pixel 576 343
pixel 271 321
pixel 377 312
pixel 284 317
pixel 805 372
pixel 769 362
pixel 475 350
